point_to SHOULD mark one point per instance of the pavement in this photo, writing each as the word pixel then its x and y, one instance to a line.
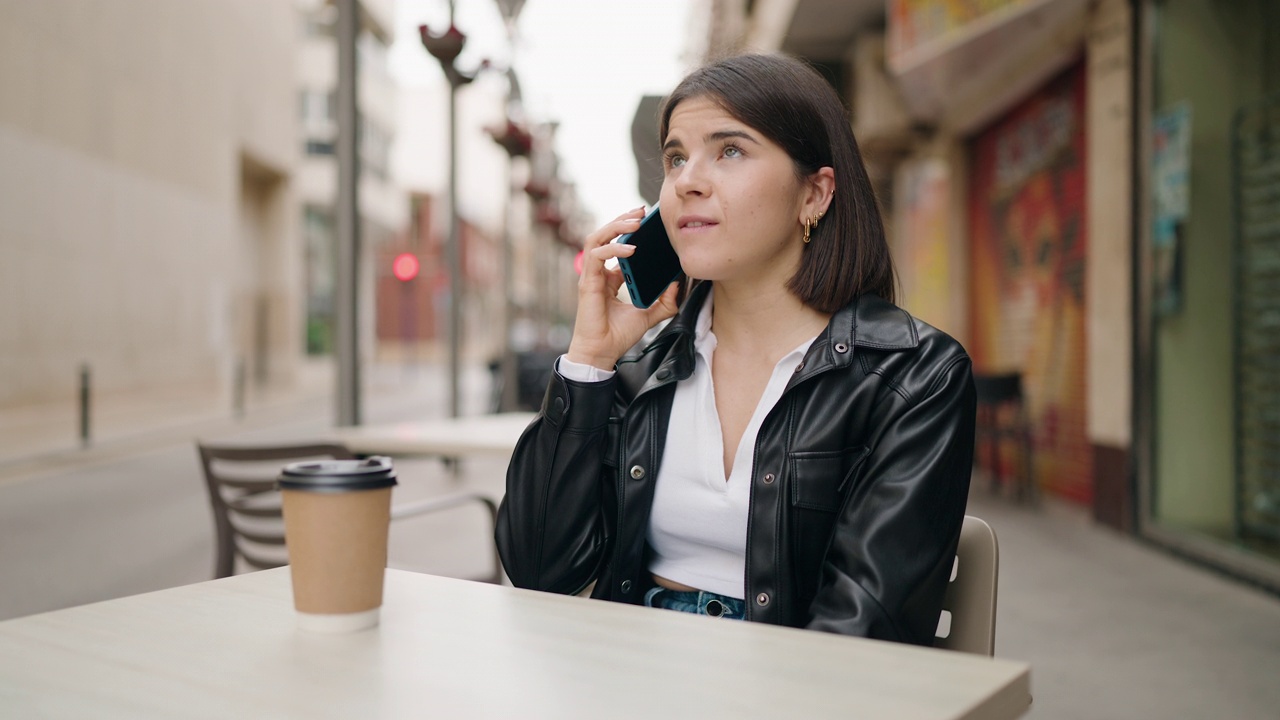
pixel 1112 627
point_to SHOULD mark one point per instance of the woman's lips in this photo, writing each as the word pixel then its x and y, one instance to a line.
pixel 696 224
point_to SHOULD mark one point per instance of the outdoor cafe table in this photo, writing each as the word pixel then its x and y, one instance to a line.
pixel 453 438
pixel 455 649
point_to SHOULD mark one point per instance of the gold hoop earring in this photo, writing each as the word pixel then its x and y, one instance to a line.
pixel 806 231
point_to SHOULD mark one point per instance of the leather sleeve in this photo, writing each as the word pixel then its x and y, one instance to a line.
pixel 551 534
pixel 892 550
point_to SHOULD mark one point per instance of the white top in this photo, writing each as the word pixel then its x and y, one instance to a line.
pixel 455 649
pixel 698 524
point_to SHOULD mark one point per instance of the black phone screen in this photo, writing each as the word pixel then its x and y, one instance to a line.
pixel 653 266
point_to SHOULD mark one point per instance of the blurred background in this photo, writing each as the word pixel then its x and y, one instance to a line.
pixel 1086 193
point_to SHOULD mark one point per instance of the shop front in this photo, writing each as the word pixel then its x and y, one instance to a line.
pixel 1208 316
pixel 1029 107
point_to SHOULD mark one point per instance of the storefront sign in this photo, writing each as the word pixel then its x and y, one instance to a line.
pixel 916 23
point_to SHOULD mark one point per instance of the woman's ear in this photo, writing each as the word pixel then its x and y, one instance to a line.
pixel 821 188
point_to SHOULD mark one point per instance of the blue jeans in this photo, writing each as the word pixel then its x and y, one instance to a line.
pixel 696 602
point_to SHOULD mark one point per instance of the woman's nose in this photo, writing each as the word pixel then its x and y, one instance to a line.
pixel 692 178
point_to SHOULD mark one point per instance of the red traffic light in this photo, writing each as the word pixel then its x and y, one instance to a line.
pixel 405 267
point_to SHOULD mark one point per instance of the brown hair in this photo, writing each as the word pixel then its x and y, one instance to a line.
pixel 792 105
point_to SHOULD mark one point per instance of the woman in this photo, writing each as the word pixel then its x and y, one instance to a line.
pixel 792 448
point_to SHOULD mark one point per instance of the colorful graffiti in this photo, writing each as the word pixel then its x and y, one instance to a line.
pixel 1027 230
pixel 921 241
pixel 915 23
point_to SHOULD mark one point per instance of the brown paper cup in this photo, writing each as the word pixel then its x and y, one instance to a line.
pixel 337 542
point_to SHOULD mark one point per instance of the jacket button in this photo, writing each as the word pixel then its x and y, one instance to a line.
pixel 768 478
pixel 762 599
pixel 842 348
pixel 637 472
pixel 557 407
pixel 799 367
pixel 626 586
pixel 663 374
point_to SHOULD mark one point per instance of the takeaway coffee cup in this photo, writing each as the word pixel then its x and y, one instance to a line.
pixel 336 516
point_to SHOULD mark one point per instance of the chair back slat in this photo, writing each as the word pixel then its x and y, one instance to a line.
pixel 259 537
pixel 248 520
pixel 970 600
pixel 248 511
pixel 249 485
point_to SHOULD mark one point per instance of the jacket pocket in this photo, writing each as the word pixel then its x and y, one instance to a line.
pixel 610 451
pixel 819 482
pixel 819 478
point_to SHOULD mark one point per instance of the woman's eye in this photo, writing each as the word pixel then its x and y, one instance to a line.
pixel 675 161
pixel 733 151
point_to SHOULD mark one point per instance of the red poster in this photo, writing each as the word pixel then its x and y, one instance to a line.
pixel 1027 231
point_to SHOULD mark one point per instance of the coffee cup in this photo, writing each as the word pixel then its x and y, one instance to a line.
pixel 336 517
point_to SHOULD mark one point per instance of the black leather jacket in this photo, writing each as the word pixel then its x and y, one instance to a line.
pixel 859 481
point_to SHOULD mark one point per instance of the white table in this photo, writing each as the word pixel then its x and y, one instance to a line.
pixel 455 649
pixel 493 435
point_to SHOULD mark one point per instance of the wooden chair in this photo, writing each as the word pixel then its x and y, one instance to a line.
pixel 1002 417
pixel 247 517
pixel 969 607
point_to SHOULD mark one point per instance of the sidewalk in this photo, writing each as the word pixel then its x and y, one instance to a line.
pixel 36 439
pixel 1115 628
pixel 36 436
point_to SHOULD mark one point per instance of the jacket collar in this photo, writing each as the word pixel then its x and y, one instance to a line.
pixel 868 322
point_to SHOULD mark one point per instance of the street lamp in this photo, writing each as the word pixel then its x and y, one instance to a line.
pixel 446 48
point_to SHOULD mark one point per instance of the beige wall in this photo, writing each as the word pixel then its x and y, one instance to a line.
pixel 146 209
pixel 1108 267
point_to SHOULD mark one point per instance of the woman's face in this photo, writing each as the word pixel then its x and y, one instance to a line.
pixel 731 201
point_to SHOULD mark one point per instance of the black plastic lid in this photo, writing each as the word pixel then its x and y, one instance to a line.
pixel 338 475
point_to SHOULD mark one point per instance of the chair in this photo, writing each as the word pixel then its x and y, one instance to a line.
pixel 970 601
pixel 1002 416
pixel 247 516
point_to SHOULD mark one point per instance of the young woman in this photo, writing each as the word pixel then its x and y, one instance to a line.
pixel 792 448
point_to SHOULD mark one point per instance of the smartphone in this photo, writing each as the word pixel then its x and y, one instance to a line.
pixel 654 265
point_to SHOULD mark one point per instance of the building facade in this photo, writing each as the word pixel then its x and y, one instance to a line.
pixel 384 205
pixel 148 219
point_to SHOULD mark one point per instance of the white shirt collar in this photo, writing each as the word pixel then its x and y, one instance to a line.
pixel 704 341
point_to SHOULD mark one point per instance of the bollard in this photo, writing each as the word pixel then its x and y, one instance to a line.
pixel 238 390
pixel 84 405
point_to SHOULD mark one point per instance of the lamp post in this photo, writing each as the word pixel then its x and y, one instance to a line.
pixel 446 48
pixel 510 10
pixel 347 316
pixel 514 137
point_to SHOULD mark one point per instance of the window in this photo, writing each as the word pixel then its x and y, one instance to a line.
pixel 318 106
pixel 319 147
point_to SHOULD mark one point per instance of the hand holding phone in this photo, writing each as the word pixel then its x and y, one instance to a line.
pixel 606 326
pixel 654 265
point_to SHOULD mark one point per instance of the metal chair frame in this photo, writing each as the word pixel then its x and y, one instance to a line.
pixel 235 498
pixel 998 397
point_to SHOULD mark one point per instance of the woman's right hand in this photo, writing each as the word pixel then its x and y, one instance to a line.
pixel 607 327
